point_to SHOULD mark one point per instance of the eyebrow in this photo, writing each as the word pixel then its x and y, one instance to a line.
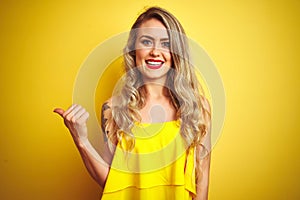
pixel 152 38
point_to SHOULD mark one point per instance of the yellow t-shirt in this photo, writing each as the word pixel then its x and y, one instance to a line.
pixel 159 167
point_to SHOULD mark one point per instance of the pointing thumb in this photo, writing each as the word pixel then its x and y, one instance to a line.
pixel 59 111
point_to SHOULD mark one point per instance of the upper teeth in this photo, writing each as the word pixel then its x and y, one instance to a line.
pixel 154 62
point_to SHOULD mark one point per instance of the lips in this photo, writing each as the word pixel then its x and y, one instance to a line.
pixel 154 64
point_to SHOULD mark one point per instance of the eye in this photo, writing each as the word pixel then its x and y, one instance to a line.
pixel 146 42
pixel 166 44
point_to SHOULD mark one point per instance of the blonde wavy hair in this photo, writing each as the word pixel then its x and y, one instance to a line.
pixel 182 85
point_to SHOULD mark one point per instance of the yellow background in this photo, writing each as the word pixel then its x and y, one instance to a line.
pixel 254 43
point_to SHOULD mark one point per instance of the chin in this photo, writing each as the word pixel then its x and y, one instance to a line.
pixel 155 75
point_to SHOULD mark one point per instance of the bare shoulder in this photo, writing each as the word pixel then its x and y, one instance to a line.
pixel 106 108
pixel 106 114
pixel 107 104
pixel 107 129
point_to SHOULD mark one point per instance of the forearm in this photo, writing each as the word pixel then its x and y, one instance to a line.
pixel 94 163
pixel 75 119
pixel 202 192
pixel 203 179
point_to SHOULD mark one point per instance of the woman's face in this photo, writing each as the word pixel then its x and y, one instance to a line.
pixel 153 57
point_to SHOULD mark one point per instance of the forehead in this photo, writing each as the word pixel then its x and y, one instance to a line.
pixel 154 28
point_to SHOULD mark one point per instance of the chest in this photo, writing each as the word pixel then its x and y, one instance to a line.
pixel 158 111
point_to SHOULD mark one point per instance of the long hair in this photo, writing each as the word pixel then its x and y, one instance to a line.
pixel 182 85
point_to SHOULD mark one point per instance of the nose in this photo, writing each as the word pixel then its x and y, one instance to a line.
pixel 154 52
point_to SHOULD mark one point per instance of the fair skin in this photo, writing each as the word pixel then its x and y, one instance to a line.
pixel 153 59
pixel 75 119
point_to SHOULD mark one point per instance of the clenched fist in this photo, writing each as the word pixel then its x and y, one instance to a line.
pixel 75 119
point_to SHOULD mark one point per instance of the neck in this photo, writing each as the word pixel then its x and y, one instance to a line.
pixel 155 90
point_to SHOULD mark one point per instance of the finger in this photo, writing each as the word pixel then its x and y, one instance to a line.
pixel 77 115
pixel 83 118
pixel 72 114
pixel 80 112
pixel 70 109
pixel 59 111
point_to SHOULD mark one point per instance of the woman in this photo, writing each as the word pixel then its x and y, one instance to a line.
pixel 157 128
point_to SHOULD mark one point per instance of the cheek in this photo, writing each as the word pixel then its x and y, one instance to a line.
pixel 139 56
pixel 168 58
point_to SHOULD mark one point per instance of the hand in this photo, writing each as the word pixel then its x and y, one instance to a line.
pixel 75 119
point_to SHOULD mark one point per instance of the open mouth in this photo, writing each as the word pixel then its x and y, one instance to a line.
pixel 154 64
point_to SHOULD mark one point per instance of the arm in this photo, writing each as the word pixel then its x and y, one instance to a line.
pixel 75 119
pixel 203 155
pixel 94 163
pixel 203 178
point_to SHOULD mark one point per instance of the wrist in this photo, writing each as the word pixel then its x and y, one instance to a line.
pixel 81 142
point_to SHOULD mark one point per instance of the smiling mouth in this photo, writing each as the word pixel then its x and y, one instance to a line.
pixel 154 64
